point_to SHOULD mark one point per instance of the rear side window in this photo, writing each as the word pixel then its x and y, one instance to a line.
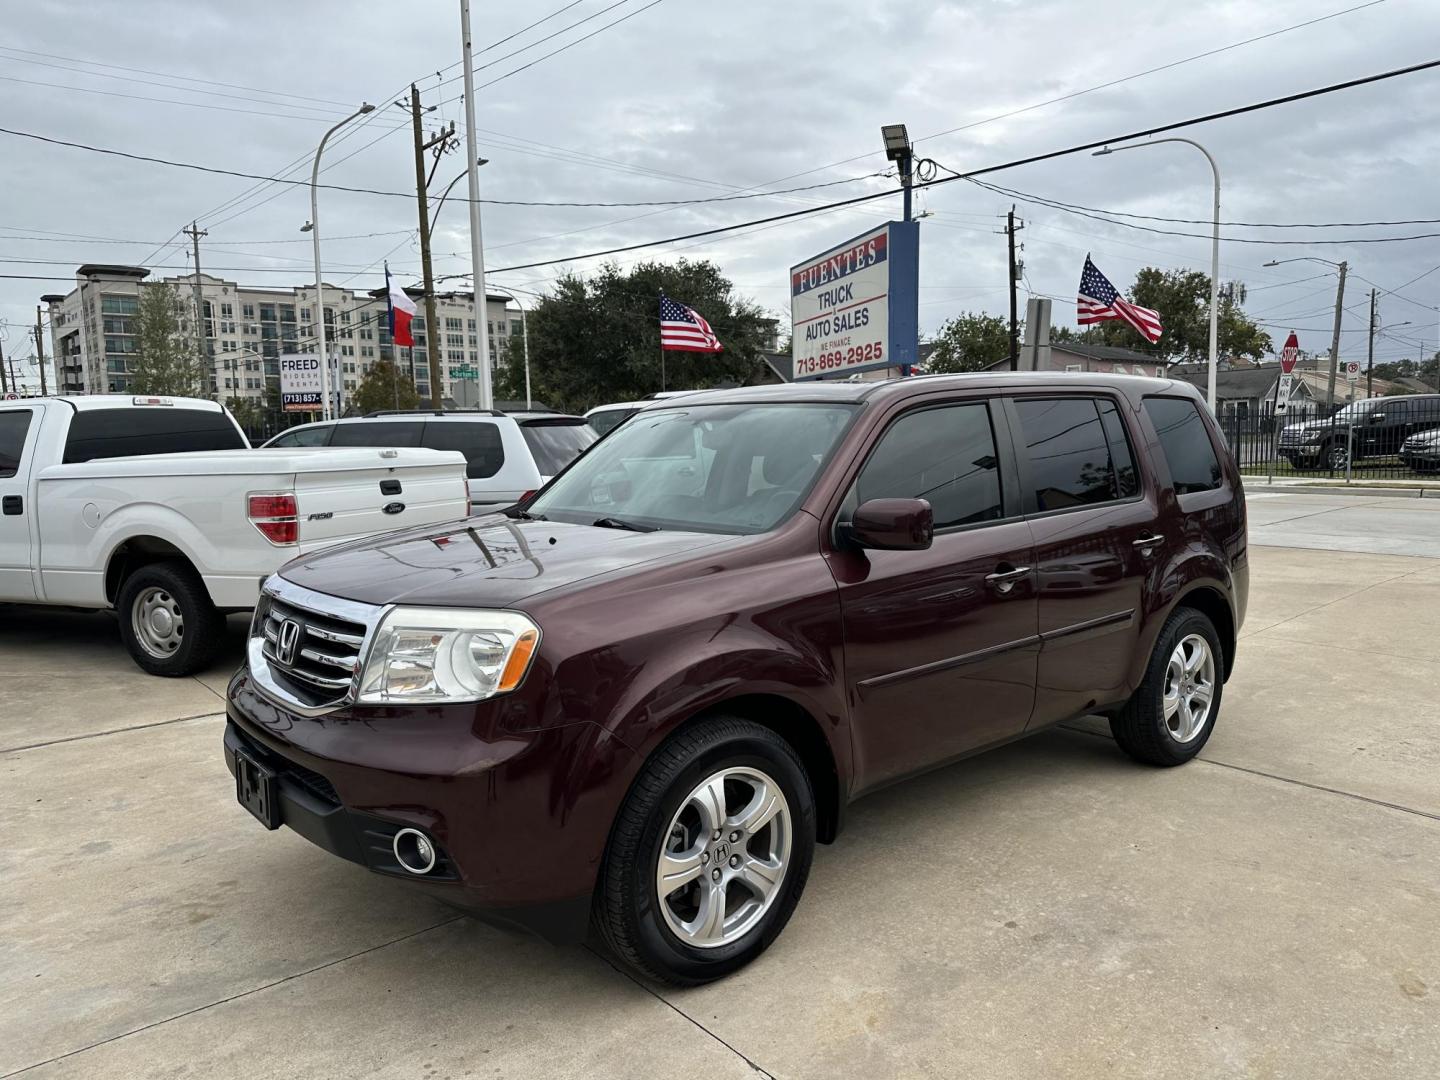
pixel 1122 461
pixel 380 433
pixel 319 435
pixel 1069 452
pixel 13 427
pixel 108 433
pixel 555 446
pixel 1185 443
pixel 478 440
pixel 604 421
pixel 945 456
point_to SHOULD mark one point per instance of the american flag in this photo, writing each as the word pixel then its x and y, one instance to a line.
pixel 1100 301
pixel 685 329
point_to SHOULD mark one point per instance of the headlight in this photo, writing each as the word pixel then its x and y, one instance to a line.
pixel 447 654
pixel 1314 437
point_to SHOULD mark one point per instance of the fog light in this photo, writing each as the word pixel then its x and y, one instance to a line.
pixel 414 851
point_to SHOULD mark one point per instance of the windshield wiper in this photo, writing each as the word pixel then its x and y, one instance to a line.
pixel 621 523
pixel 522 515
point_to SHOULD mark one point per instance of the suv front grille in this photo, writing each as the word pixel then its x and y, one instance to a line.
pixel 309 645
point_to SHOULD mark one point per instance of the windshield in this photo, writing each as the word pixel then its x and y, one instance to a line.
pixel 555 445
pixel 707 468
pixel 1356 409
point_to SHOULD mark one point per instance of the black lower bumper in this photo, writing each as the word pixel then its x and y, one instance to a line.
pixel 309 805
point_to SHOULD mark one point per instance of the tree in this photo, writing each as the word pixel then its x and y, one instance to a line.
pixel 596 340
pixel 384 386
pixel 249 413
pixel 969 342
pixel 166 361
pixel 1182 297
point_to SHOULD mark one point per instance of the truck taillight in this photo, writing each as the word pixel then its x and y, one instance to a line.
pixel 276 517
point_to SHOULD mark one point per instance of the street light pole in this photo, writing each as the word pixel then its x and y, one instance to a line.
pixel 1214 254
pixel 477 248
pixel 315 242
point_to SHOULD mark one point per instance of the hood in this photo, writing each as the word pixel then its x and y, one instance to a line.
pixel 489 561
pixel 1308 425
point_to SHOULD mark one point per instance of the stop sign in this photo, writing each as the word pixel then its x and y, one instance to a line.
pixel 1290 353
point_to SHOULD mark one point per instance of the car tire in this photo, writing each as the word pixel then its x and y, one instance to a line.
pixel 167 620
pixel 1159 725
pixel 671 811
pixel 1335 456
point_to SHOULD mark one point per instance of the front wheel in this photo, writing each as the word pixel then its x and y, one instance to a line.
pixel 709 854
pixel 1170 716
pixel 1337 456
pixel 167 620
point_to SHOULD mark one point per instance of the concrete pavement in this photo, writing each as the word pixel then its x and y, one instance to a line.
pixel 1050 909
pixel 1346 522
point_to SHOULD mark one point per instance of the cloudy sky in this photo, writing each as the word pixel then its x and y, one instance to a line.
pixel 688 100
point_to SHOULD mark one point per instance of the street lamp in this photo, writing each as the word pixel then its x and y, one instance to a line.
pixel 1343 267
pixel 1214 255
pixel 314 230
pixel 898 150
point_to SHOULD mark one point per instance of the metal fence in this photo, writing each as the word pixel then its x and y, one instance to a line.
pixel 1393 438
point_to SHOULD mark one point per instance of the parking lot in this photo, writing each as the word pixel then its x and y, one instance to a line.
pixel 1050 909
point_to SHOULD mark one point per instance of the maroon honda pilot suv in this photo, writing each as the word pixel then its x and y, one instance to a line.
pixel 639 699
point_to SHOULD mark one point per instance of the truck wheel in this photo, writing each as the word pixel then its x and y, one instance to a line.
pixel 167 620
pixel 709 853
pixel 1337 454
pixel 1171 714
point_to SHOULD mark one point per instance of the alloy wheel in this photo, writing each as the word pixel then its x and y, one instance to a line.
pixel 1189 688
pixel 724 857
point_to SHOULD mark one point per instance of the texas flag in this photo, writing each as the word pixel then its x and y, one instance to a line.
pixel 402 310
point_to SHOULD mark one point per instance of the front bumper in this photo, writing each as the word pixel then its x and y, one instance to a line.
pixel 1422 460
pixel 519 817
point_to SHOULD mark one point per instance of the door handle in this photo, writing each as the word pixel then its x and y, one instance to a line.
pixel 12 506
pixel 1147 543
pixel 1004 580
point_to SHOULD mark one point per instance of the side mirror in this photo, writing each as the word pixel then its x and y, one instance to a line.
pixel 893 525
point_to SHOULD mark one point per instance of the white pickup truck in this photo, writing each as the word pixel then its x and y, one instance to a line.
pixel 174 539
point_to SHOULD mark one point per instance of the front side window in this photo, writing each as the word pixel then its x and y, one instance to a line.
pixel 314 435
pixel 1069 455
pixel 945 456
pixel 741 468
pixel 1185 443
pixel 14 425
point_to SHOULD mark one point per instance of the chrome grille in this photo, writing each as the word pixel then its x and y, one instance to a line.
pixel 306 647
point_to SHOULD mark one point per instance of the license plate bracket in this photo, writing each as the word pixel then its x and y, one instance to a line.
pixel 256 789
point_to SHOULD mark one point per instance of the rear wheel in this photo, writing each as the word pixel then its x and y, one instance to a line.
pixel 1170 716
pixel 167 620
pixel 709 854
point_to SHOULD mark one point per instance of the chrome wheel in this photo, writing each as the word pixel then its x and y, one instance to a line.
pixel 1189 688
pixel 1337 457
pixel 724 857
pixel 158 622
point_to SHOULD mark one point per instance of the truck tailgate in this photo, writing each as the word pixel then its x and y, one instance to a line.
pixel 337 504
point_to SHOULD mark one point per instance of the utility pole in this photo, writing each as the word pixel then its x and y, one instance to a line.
pixel 1011 228
pixel 1335 339
pixel 201 342
pixel 422 181
pixel 4 386
pixel 40 350
pixel 477 243
pixel 1370 362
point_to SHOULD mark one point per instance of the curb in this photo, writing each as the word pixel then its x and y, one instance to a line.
pixel 1341 488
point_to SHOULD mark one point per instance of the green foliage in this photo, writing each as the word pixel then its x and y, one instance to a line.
pixel 1182 297
pixel 166 361
pixel 597 340
pixel 969 342
pixel 384 386
pixel 249 413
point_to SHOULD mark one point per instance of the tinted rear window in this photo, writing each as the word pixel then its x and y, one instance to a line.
pixel 13 426
pixel 1185 443
pixel 379 433
pixel 556 445
pixel 478 440
pixel 1068 451
pixel 148 429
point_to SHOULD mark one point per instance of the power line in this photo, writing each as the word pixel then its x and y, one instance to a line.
pixel 72 238
pixel 540 41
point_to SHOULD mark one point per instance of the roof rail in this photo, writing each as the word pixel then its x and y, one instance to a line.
pixel 433 412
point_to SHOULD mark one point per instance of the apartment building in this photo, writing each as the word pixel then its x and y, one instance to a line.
pixel 247 328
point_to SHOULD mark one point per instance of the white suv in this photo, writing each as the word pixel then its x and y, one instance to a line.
pixel 507 455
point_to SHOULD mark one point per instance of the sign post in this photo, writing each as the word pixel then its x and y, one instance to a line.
pixel 856 307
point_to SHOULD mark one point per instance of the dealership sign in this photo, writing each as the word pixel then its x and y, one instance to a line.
pixel 856 307
pixel 300 382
